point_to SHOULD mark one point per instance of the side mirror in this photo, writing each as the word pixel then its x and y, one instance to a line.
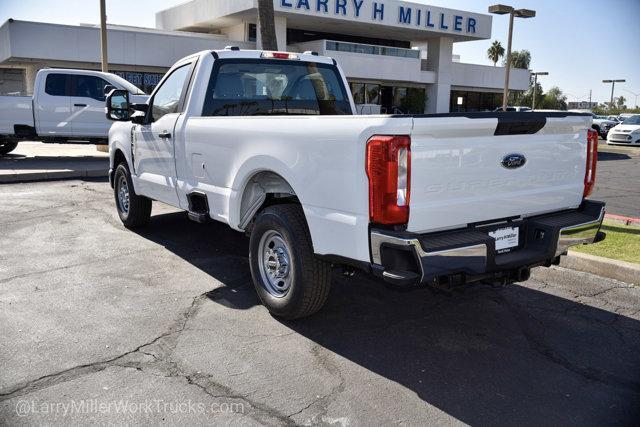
pixel 118 108
pixel 107 89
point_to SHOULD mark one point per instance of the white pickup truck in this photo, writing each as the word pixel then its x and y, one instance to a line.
pixel 268 143
pixel 66 105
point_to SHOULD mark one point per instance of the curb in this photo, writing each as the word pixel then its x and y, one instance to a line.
pixel 43 175
pixel 626 220
pixel 619 270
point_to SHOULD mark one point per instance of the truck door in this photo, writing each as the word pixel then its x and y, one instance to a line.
pixel 87 106
pixel 53 106
pixel 154 148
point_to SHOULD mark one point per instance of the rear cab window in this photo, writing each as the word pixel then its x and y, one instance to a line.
pixel 259 87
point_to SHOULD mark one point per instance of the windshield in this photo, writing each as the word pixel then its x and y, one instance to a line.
pixel 134 90
pixel 249 87
pixel 633 120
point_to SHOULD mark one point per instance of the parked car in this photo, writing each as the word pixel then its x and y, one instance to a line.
pixel 269 143
pixel 601 124
pixel 514 109
pixel 626 133
pixel 616 119
pixel 66 105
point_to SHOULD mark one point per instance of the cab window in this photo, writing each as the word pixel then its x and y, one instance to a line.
pixel 167 98
pixel 250 87
pixel 56 85
pixel 89 87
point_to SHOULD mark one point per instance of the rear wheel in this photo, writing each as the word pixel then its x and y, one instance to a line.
pixel 7 146
pixel 290 280
pixel 133 210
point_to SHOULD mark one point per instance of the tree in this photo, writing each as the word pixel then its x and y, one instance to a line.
pixel 519 59
pixel 620 103
pixel 555 99
pixel 267 25
pixel 495 52
pixel 526 97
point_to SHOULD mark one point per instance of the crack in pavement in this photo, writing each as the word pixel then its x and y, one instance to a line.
pixel 66 267
pixel 323 357
pixel 546 351
pixel 261 412
pixel 90 368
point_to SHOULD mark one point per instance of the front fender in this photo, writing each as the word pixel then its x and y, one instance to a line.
pixel 120 141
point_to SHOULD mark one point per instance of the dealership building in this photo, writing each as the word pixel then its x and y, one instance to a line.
pixel 397 55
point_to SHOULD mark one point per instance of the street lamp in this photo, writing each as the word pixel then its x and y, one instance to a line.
pixel 613 85
pixel 501 9
pixel 535 84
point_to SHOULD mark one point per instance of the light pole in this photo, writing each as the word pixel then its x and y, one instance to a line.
pixel 501 9
pixel 103 36
pixel 535 84
pixel 613 86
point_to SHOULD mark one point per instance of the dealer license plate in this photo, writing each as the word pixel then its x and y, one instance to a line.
pixel 506 238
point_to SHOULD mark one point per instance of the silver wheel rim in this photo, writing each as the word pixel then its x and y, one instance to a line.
pixel 274 261
pixel 123 194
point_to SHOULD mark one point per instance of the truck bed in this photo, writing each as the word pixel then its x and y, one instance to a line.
pixel 15 110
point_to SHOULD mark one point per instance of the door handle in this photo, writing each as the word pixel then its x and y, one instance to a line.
pixel 79 105
pixel 164 134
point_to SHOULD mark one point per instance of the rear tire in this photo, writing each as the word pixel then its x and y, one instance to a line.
pixel 291 281
pixel 134 211
pixel 6 147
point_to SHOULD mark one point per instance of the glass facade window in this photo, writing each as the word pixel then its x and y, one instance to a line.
pixel 463 101
pixel 357 91
pixel 372 49
pixel 145 81
pixel 392 99
pixel 373 93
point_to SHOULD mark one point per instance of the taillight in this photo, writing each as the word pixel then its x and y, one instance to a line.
pixel 592 160
pixel 388 166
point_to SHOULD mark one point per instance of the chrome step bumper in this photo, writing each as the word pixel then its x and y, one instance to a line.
pixel 471 251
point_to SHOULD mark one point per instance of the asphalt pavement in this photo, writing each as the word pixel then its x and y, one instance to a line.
pixel 618 179
pixel 99 324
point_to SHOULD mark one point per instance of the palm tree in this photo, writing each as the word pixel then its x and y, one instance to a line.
pixel 266 25
pixel 495 52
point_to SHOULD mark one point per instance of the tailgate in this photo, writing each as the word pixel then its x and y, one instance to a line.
pixel 457 175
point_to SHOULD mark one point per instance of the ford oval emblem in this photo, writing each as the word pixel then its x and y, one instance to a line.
pixel 513 161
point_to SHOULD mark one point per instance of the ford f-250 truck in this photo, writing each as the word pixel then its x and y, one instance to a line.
pixel 268 143
pixel 66 105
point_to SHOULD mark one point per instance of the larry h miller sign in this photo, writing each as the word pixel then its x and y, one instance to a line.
pixel 395 13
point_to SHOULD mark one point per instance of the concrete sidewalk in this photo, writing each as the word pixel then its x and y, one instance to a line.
pixel 35 161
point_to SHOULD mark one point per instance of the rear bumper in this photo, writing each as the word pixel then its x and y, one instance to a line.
pixel 406 258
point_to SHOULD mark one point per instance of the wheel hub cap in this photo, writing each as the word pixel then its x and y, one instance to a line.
pixel 275 264
pixel 123 194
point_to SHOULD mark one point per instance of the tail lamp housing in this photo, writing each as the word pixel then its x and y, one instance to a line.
pixel 388 166
pixel 592 161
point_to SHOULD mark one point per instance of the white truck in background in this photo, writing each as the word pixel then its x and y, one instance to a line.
pixel 66 105
pixel 269 143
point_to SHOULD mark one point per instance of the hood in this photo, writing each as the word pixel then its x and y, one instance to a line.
pixel 626 128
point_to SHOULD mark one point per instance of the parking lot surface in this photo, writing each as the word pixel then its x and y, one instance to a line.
pixel 618 175
pixel 164 324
